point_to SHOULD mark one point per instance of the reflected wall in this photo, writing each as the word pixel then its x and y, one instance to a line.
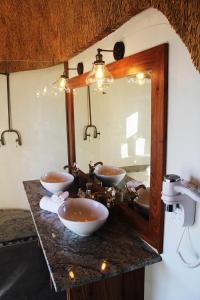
pixel 123 117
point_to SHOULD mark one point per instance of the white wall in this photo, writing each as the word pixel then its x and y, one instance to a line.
pixel 41 122
pixel 168 279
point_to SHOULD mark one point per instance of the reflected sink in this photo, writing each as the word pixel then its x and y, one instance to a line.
pixel 83 216
pixel 109 175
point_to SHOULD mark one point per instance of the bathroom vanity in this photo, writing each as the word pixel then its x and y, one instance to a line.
pixel 109 265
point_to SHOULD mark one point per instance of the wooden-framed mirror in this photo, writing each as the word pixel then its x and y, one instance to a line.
pixel 153 62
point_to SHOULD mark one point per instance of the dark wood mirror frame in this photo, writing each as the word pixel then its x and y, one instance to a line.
pixel 154 60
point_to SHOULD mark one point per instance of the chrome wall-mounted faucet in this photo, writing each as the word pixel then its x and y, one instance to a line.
pixel 10 129
pixel 96 133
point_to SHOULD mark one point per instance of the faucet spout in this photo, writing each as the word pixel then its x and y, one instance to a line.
pixel 18 139
pixel 92 167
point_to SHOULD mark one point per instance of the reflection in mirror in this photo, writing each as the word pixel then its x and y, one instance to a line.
pixel 124 138
pixel 123 118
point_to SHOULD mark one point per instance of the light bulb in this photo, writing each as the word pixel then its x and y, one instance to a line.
pixel 140 76
pixel 99 71
pixel 62 84
pixel 99 77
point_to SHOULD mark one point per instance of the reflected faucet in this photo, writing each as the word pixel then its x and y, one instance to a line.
pixel 86 134
pixel 10 129
pixel 96 133
pixel 92 167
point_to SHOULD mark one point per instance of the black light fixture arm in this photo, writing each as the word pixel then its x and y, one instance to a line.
pixel 118 52
pixel 79 69
pixel 99 50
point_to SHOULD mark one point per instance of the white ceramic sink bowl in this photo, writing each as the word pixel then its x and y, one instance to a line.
pixel 56 181
pixel 109 175
pixel 83 216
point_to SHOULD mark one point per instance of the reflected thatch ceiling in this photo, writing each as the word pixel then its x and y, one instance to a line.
pixel 40 33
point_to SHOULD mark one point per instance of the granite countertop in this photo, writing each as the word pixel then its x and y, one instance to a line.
pixel 15 225
pixel 73 260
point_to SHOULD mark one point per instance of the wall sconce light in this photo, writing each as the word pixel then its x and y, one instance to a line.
pixel 139 78
pixel 99 76
pixel 62 83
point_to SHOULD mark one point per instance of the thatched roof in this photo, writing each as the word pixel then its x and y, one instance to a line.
pixel 40 33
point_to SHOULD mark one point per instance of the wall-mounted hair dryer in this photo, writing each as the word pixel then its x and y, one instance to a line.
pixel 179 199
